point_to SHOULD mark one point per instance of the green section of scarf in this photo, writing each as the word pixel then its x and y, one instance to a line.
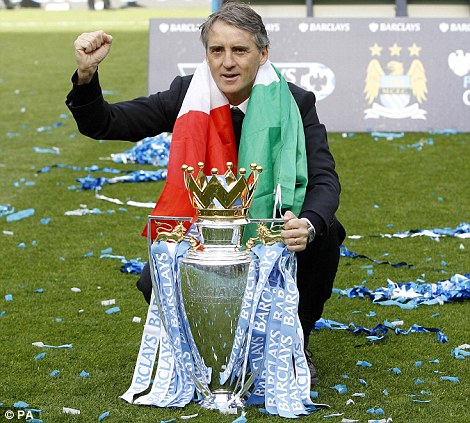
pixel 273 137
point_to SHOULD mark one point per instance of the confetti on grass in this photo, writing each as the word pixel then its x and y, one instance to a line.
pixel 152 150
pixel 67 410
pixel 452 379
pixel 22 214
pixel 461 351
pixel 103 416
pixel 92 183
pixel 380 331
pixel 412 294
pixel 21 404
pixel 461 231
pixel 340 388
pixel 345 252
pixel 377 411
pixel 42 345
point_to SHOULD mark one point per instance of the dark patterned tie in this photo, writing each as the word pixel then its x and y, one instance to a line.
pixel 237 121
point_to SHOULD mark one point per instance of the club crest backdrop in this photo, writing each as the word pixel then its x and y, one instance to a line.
pixel 367 74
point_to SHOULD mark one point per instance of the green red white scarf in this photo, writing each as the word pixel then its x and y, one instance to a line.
pixel 272 136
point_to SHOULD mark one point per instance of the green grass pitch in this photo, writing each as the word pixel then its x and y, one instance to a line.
pixel 383 185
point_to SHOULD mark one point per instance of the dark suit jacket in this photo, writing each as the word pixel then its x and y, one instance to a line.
pixel 149 116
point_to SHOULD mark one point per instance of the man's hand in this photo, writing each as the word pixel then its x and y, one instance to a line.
pixel 295 232
pixel 90 50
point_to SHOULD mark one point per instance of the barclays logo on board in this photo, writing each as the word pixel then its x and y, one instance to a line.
pixel 178 27
pixel 395 27
pixel 454 27
pixel 325 27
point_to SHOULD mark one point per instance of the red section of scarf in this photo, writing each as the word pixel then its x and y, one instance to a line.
pixel 197 137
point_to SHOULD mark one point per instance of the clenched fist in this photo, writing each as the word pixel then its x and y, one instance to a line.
pixel 90 50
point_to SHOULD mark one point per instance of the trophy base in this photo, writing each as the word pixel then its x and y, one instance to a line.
pixel 222 400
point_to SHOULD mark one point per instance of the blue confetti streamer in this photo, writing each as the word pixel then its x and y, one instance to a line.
pixel 152 150
pixel 53 150
pixel 22 214
pixel 410 295
pixel 6 209
pixel 363 363
pixel 92 183
pixel 92 168
pixel 21 404
pixel 340 388
pixel 419 145
pixel 460 352
pixel 378 411
pixel 461 231
pixel 452 379
pixel 84 374
pixel 113 310
pixel 448 131
pixel 133 266
pixel 40 356
pixel 103 416
pixel 388 135
pixel 378 332
pixel 345 252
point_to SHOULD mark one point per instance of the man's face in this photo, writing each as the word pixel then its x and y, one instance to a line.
pixel 233 59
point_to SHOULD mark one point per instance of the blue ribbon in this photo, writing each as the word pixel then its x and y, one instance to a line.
pixel 268 326
pixel 345 252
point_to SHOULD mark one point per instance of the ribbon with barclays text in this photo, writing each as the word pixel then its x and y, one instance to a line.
pixel 267 346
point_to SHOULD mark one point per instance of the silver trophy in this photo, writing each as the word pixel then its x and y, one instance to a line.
pixel 214 272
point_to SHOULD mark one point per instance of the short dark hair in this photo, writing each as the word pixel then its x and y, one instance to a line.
pixel 243 17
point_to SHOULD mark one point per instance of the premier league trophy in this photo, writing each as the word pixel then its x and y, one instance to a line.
pixel 223 318
pixel 213 275
pixel 214 272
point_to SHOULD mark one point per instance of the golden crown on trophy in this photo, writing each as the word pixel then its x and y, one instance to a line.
pixel 221 196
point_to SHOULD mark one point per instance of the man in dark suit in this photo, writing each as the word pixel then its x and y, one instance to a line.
pixel 236 46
